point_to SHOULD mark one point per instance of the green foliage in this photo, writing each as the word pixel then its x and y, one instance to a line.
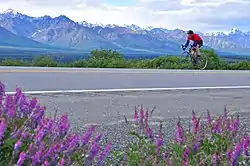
pixel 114 59
pixel 106 54
pixel 13 62
pixel 44 61
pixel 213 59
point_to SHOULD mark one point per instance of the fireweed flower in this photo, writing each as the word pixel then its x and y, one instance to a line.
pixel 180 133
pixel 216 158
pixel 105 153
pixel 17 134
pixel 209 119
pixel 94 151
pixel 216 126
pixel 141 115
pixel 3 128
pixel 150 133
pixel 17 95
pixel 235 125
pixel 22 158
pixel 136 116
pixel 62 162
pixel 97 138
pixel 11 111
pixel 246 144
pixel 159 144
pixel 166 157
pixel 196 147
pixel 17 146
pixel 36 159
pixel 229 155
pixel 146 118
pixel 46 163
pixel 237 153
pixel 185 157
pixel 2 89
pixel 87 135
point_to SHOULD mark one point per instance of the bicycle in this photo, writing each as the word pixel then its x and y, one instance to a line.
pixel 196 61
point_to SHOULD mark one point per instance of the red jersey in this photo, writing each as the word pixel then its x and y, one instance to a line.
pixel 195 37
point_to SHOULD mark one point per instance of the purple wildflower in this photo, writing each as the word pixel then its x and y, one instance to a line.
pixel 159 143
pixel 25 135
pixel 73 144
pixel 146 118
pixel 11 112
pixel 22 158
pixel 105 152
pixel 63 125
pixel 17 133
pixel 33 103
pixel 3 127
pixel 141 115
pixel 97 138
pixel 229 155
pixel 37 158
pixel 62 162
pixel 150 133
pixel 166 155
pixel 209 119
pixel 216 127
pixel 46 163
pixel 196 147
pixel 17 95
pixel 87 135
pixel 246 143
pixel 216 158
pixel 236 153
pixel 185 157
pixel 136 116
pixel 18 145
pixel 94 151
pixel 2 89
pixel 180 135
pixel 235 125
pixel 31 149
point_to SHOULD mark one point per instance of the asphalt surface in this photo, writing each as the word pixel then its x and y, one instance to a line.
pixel 110 108
pixel 46 79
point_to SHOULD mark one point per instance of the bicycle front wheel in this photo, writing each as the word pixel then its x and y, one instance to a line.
pixel 185 59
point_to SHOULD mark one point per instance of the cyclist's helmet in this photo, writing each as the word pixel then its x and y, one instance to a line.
pixel 190 32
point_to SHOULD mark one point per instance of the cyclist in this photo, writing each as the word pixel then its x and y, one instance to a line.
pixel 197 41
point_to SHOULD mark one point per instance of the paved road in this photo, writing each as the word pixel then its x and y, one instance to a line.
pixel 109 108
pixel 36 79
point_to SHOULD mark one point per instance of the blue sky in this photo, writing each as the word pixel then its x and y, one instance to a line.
pixel 201 15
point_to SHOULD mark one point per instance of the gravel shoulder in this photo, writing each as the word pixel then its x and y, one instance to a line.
pixel 107 110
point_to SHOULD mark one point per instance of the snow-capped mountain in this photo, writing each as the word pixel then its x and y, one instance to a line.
pixel 64 32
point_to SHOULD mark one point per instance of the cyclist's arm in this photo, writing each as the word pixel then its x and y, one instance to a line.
pixel 187 42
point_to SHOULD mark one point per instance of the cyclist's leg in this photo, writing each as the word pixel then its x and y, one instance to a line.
pixel 195 48
pixel 198 50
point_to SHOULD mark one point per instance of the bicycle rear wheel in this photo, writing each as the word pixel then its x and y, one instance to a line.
pixel 201 62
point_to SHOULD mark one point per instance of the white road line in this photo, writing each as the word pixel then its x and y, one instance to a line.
pixel 131 90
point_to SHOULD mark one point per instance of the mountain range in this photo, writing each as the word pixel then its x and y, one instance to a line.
pixel 20 30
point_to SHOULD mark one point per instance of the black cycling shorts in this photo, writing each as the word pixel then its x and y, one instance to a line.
pixel 198 42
